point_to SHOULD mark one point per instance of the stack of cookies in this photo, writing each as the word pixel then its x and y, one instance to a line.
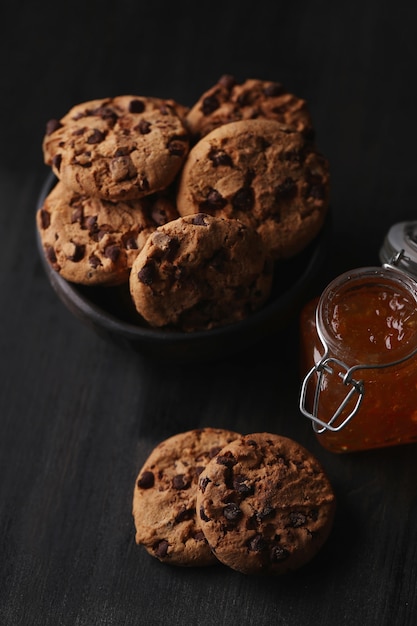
pixel 258 503
pixel 193 208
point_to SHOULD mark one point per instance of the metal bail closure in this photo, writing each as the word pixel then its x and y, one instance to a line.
pixel 326 365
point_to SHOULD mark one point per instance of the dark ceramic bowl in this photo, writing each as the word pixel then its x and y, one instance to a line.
pixel 110 312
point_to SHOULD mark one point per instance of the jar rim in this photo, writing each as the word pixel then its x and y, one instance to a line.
pixel 400 247
pixel 352 280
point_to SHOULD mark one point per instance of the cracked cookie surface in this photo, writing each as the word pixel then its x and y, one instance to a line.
pixel 230 100
pixel 199 272
pixel 118 148
pixel 265 504
pixel 164 497
pixel 264 174
pixel 95 242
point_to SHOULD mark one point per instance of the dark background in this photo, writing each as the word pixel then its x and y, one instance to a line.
pixel 78 414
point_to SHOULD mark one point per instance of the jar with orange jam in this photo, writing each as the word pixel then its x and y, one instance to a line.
pixel 359 352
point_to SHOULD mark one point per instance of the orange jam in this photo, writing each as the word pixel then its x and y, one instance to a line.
pixel 365 320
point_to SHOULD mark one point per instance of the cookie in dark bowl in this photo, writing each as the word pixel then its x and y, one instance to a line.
pixel 110 311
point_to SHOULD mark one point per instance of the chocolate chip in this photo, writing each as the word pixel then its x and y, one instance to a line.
pixel 198 219
pixel 278 553
pixel 78 254
pixel 273 89
pixel 243 200
pixel 161 548
pixel 112 252
pixel 50 254
pixel 90 223
pixel 147 273
pixel 220 157
pixel 45 218
pixel 184 514
pixel 266 512
pixel 122 167
pixel 209 105
pixel 203 483
pixel 171 250
pixel 213 451
pixel 94 261
pixel 180 482
pixel 129 241
pixel 77 214
pixel 176 147
pixel 241 487
pixel 146 480
pixel 165 109
pixel 56 161
pixel 227 81
pixel 213 202
pixel 257 543
pixel 124 151
pixel 203 516
pixel 297 519
pixel 232 512
pixel 106 113
pixel 96 137
pixel 52 126
pixel 136 106
pixel 226 459
pixel 251 523
pixel 144 127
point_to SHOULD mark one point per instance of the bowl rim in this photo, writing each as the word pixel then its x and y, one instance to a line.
pixel 70 294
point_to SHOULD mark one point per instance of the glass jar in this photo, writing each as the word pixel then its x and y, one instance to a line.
pixel 359 352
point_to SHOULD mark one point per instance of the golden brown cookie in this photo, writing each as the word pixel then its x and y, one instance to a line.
pixel 118 148
pixel 165 494
pixel 263 173
pixel 94 242
pixel 199 272
pixel 265 504
pixel 229 101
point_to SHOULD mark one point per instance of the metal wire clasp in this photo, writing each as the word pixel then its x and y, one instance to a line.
pixel 326 365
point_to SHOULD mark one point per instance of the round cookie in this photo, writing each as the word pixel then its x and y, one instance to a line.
pixel 94 242
pixel 265 504
pixel 229 101
pixel 165 495
pixel 264 174
pixel 118 148
pixel 199 272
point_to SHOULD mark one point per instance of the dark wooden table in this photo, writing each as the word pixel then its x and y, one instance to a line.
pixel 78 414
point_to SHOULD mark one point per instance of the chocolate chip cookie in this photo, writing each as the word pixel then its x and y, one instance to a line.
pixel 118 148
pixel 164 497
pixel 265 504
pixel 199 272
pixel 263 173
pixel 94 242
pixel 229 101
